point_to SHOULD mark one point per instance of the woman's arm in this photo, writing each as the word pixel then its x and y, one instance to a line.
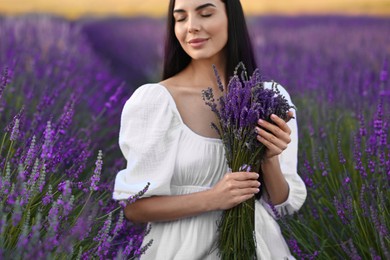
pixel 230 191
pixel 274 181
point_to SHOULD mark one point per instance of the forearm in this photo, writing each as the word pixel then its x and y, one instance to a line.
pixel 166 208
pixel 231 190
pixel 274 181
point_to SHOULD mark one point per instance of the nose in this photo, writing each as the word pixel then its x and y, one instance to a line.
pixel 193 25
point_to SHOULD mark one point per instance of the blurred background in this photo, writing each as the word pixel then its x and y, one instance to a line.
pixel 113 27
pixel 68 67
pixel 76 8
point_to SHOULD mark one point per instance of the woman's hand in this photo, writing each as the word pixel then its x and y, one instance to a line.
pixel 277 137
pixel 234 188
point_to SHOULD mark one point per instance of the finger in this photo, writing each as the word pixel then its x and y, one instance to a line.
pixel 245 198
pixel 242 176
pixel 290 115
pixel 273 149
pixel 248 191
pixel 280 129
pixel 242 185
pixel 280 141
pixel 281 123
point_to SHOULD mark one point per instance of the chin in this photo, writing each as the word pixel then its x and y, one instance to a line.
pixel 203 56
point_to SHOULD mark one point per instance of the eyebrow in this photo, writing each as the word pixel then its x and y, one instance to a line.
pixel 196 9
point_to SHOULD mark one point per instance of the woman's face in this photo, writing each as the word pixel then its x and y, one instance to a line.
pixel 201 26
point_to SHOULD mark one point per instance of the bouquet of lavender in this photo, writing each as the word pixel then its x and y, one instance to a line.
pixel 243 102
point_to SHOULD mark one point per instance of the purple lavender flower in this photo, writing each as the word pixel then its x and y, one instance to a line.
pixel 97 172
pixel 347 180
pixel 48 198
pixel 135 197
pixel 363 201
pixel 3 81
pixel 378 223
pixel 384 73
pixel 66 117
pixel 6 181
pixel 17 214
pixel 47 147
pixel 307 175
pixel 362 130
pixel 42 179
pixel 15 130
pixel 23 239
pixel 340 152
pixel 241 105
pixel 358 158
pixel 341 212
pixel 34 176
pixel 119 224
pixel 378 122
pixel 65 188
pixel 374 255
pixel 103 238
pixel 293 245
pixel 350 249
pixel 115 97
pixel 31 153
pixel 141 250
pixel 219 81
pixel 52 226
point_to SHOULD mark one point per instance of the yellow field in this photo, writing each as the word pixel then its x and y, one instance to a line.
pixel 77 8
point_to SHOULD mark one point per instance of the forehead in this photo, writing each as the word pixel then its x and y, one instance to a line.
pixel 193 4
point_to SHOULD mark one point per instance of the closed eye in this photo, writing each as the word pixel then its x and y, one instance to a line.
pixel 180 18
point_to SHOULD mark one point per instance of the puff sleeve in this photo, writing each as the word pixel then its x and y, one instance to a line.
pixel 288 163
pixel 148 139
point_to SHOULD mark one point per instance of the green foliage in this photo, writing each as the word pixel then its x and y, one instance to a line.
pixel 345 164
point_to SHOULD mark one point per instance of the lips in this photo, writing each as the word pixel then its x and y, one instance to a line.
pixel 197 43
pixel 198 40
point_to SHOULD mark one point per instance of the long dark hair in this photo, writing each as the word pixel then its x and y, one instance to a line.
pixel 238 47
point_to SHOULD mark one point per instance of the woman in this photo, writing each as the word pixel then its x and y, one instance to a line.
pixel 166 139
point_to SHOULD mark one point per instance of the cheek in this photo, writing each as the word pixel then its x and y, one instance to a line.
pixel 217 29
pixel 179 34
pixel 222 36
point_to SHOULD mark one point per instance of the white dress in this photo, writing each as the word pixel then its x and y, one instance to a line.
pixel 161 149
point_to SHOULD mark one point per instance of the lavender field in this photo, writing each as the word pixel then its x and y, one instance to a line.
pixel 62 87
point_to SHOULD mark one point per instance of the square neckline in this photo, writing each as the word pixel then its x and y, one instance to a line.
pixel 212 139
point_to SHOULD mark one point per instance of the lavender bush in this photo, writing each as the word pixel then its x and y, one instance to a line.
pixel 56 100
pixel 346 214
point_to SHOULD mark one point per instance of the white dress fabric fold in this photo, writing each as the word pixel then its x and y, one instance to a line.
pixel 162 150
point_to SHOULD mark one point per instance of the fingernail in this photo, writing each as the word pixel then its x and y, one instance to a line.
pixel 257 130
pixel 260 121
